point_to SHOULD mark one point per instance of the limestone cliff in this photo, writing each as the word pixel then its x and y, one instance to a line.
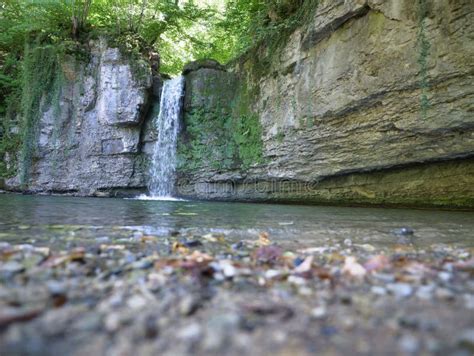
pixel 91 141
pixel 353 109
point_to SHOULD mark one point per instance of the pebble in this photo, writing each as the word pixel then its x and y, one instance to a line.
pixel 384 277
pixel 56 288
pixel 298 281
pixel 319 312
pixel 237 246
pixel 150 327
pixel 469 301
pixel 378 290
pixel 142 264
pixel 444 294
pixel 272 273
pixel 228 270
pixel 425 292
pixel 112 322
pixel 466 339
pixel 12 267
pixel 136 302
pixel 445 276
pixel 400 290
pixel 348 242
pixel 188 305
pixel 191 243
pixel 409 344
pixel 190 333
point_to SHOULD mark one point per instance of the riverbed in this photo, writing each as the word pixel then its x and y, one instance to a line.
pixel 116 276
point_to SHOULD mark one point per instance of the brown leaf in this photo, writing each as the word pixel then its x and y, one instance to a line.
pixel 180 248
pixel 264 239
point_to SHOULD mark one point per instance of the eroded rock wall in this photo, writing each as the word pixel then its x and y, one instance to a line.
pixel 343 112
pixel 91 141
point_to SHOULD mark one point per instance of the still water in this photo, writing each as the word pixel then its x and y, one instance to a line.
pixel 47 219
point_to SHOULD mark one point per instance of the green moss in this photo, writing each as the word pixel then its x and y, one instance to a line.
pixel 271 35
pixel 217 140
pixel 41 86
pixel 280 136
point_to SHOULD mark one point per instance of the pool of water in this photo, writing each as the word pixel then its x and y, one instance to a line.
pixel 46 219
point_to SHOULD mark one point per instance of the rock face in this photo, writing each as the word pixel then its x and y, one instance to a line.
pixel 370 102
pixel 353 110
pixel 91 141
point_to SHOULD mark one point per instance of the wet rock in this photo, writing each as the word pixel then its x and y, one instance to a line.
pixel 400 290
pixel 404 231
pixel 190 243
pixel 189 305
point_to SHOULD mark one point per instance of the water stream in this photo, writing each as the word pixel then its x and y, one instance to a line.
pixel 163 165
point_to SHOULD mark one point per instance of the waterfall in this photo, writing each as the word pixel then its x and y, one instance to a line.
pixel 163 164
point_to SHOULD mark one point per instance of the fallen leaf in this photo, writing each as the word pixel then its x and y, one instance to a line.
pixel 148 238
pixel 264 239
pixel 179 248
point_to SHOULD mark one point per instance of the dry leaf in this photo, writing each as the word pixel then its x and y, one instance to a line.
pixel 264 239
pixel 179 248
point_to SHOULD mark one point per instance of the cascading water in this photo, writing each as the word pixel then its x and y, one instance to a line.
pixel 163 164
